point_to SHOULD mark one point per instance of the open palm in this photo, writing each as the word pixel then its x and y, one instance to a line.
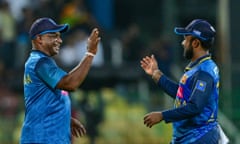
pixel 149 64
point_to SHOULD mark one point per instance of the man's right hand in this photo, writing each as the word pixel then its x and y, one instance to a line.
pixel 149 64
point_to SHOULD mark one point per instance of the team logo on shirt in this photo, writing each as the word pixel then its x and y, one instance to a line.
pixel 201 85
pixel 179 102
pixel 180 92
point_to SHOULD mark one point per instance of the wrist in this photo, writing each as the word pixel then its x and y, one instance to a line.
pixel 90 54
pixel 156 75
pixel 161 116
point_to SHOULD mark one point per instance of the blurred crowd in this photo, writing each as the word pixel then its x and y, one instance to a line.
pixel 118 46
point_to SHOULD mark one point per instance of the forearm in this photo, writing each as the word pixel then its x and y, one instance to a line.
pixel 167 85
pixel 181 113
pixel 76 76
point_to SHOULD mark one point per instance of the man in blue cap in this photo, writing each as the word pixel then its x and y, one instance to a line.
pixel 47 103
pixel 194 115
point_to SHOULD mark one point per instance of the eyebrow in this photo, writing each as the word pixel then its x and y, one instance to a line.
pixel 51 33
pixel 54 34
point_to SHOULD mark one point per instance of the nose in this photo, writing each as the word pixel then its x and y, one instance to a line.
pixel 58 40
pixel 183 42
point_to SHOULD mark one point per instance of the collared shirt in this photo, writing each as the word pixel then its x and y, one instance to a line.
pixel 47 114
pixel 196 100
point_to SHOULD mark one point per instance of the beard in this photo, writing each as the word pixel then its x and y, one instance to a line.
pixel 188 52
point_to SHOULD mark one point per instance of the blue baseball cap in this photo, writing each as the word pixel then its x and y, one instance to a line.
pixel 198 28
pixel 46 25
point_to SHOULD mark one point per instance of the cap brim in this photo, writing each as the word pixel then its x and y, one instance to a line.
pixel 60 28
pixel 181 31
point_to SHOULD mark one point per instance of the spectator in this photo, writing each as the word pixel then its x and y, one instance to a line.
pixel 7 35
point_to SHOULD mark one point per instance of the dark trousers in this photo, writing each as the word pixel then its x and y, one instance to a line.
pixel 211 137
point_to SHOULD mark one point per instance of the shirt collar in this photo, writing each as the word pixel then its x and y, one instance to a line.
pixel 198 61
pixel 38 51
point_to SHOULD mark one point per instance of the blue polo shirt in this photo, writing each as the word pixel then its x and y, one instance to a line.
pixel 47 109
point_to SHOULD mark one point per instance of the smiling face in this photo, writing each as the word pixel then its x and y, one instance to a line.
pixel 50 43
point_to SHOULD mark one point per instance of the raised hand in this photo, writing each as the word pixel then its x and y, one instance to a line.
pixel 93 40
pixel 149 64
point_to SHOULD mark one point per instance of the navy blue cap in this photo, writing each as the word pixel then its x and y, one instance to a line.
pixel 198 28
pixel 46 25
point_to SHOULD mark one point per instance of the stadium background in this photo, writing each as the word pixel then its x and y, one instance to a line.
pixel 117 94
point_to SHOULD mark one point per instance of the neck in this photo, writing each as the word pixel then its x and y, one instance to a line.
pixel 37 46
pixel 199 54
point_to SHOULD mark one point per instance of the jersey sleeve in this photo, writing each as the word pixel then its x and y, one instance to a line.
pixel 49 72
pixel 201 91
pixel 169 86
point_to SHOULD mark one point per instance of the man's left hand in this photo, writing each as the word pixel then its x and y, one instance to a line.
pixel 77 128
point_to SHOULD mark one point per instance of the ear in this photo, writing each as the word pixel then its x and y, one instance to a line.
pixel 195 43
pixel 38 39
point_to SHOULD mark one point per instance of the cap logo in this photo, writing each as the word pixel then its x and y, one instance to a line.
pixel 197 32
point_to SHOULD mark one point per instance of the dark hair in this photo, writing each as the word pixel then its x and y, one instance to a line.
pixel 207 44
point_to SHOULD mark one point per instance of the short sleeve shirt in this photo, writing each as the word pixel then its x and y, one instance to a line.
pixel 47 109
